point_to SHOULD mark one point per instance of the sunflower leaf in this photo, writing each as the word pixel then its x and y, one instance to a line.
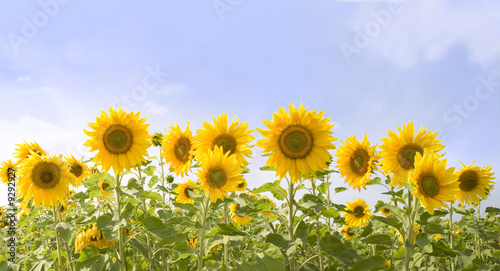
pixel 278 192
pixel 90 259
pixel 65 229
pixel 372 263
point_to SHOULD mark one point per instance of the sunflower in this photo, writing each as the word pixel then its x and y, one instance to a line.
pixel 45 179
pixel 25 150
pixel 299 142
pixel 398 152
pixel 233 138
pixel 347 232
pixel 183 192
pixel 177 149
pixel 103 185
pixel 385 211
pixel 121 140
pixel 193 241
pixel 433 182
pixel 77 168
pixel 268 213
pixel 242 185
pixel 474 183
pixel 238 219
pixel 356 161
pixel 361 213
pixel 437 237
pixel 91 236
pixel 7 171
pixel 157 139
pixel 220 173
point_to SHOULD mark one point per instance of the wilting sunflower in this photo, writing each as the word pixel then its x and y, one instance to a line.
pixel 348 232
pixel 434 183
pixel 299 142
pixel 398 152
pixel 7 171
pixel 91 236
pixel 77 168
pixel 24 151
pixel 355 161
pixel 103 185
pixel 220 173
pixel 238 219
pixel 474 183
pixel 232 138
pixel 183 192
pixel 45 179
pixel 177 149
pixel 121 140
pixel 361 213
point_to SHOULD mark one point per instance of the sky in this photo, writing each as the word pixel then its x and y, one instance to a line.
pixel 370 65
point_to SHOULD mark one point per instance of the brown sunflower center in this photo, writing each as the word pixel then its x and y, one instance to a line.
pixel 217 178
pixel 118 139
pixel 104 186
pixel 186 192
pixel 386 211
pixel 350 233
pixel 45 175
pixel 227 142
pixel 296 142
pixel 406 155
pixel 236 207
pixel 429 186
pixel 76 169
pixel 182 148
pixel 468 180
pixel 241 184
pixel 359 211
pixel 359 162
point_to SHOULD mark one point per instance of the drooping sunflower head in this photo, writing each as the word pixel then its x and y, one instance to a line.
pixel 178 149
pixel 434 183
pixel 356 161
pixel 7 171
pixel 234 138
pixel 77 168
pixel 45 179
pixel 398 152
pixel 299 142
pixel 475 183
pixel 25 150
pixel 183 191
pixel 348 232
pixel 121 140
pixel 360 213
pixel 157 139
pixel 220 173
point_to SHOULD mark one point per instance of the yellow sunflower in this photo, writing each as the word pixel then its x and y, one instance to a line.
pixel 268 213
pixel 385 211
pixel 45 179
pixel 91 236
pixel 474 183
pixel 77 168
pixel 348 232
pixel 355 161
pixel 157 139
pixel 177 149
pixel 121 140
pixel 233 138
pixel 433 182
pixel 361 213
pixel 25 150
pixel 299 142
pixel 7 171
pixel 242 185
pixel 103 185
pixel 220 173
pixel 238 219
pixel 183 192
pixel 398 152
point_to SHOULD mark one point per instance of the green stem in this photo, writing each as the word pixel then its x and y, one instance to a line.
pixel 226 248
pixel 59 257
pixel 291 220
pixel 451 236
pixel 148 241
pixel 204 209
pixel 123 261
pixel 409 240
pixel 318 231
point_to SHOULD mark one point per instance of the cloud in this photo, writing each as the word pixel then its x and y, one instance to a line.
pixel 172 88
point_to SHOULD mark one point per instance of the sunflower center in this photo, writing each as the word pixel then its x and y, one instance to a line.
pixel 186 192
pixel 76 170
pixel 296 142
pixel 406 155
pixel 118 139
pixel 468 180
pixel 350 233
pixel 182 148
pixel 45 175
pixel 359 211
pixel 359 162
pixel 227 142
pixel 217 178
pixel 429 186
pixel 241 185
pixel 236 207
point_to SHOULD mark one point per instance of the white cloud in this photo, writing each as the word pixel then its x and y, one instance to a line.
pixel 171 88
pixel 23 78
pixel 153 109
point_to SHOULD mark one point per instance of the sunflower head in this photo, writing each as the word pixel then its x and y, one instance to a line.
pixel 398 152
pixel 268 213
pixel 385 211
pixel 177 148
pixel 25 150
pixel 157 139
pixel 121 140
pixel 434 183
pixel 299 142
pixel 183 192
pixel 103 185
pixel 360 215
pixel 77 168
pixel 356 161
pixel 348 232
pixel 242 185
pixel 474 183
pixel 238 219
pixel 7 171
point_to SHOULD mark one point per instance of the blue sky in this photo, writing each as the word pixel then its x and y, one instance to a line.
pixel 370 65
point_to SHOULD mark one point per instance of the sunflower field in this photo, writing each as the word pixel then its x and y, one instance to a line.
pixel 179 200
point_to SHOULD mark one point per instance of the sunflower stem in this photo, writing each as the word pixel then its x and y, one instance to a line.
pixel 59 257
pixel 451 236
pixel 148 241
pixel 318 231
pixel 291 220
pixel 123 262
pixel 409 240
pixel 204 209
pixel 226 248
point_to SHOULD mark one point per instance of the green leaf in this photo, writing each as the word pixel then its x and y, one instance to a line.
pixel 441 250
pixel 493 210
pixel 272 258
pixel 151 195
pixel 390 220
pixel 312 202
pixel 434 228
pixel 154 180
pixel 150 170
pixel 336 249
pixel 90 259
pixel 375 180
pixel 266 168
pixel 477 264
pixel 274 187
pixel 378 239
pixel 230 229
pixel 323 187
pixel 340 189
pixel 330 212
pixel 426 218
pixel 372 263
pixel 65 230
